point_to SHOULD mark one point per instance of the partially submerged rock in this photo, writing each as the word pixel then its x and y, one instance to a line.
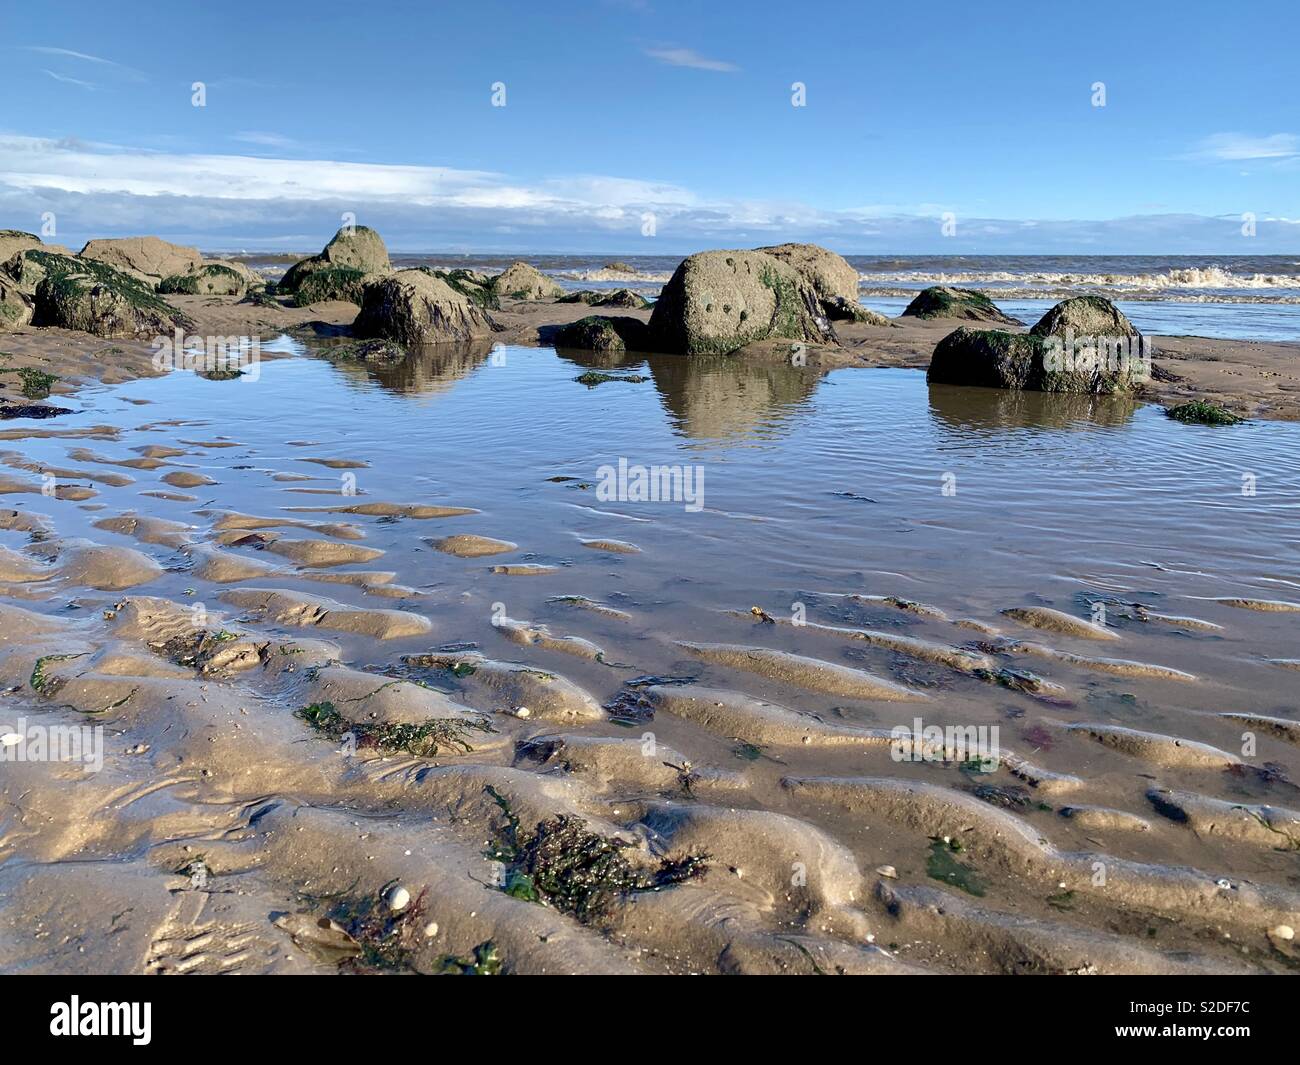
pixel 523 282
pixel 147 257
pixel 719 301
pixel 352 247
pixel 940 301
pixel 598 333
pixel 992 358
pixel 414 307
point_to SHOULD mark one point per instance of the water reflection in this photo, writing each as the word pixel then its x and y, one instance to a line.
pixel 428 370
pixel 719 397
pixel 966 408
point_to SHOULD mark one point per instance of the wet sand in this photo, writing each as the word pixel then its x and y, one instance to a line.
pixel 310 697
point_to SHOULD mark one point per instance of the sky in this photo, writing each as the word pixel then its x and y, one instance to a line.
pixel 656 127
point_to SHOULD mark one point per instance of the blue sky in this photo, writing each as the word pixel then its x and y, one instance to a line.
pixel 619 109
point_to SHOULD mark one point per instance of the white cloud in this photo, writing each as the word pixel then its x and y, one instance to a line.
pixel 68 53
pixel 70 81
pixel 687 57
pixel 1234 147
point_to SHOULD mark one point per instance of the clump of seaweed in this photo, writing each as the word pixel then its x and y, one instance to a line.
pixel 423 740
pixel 485 961
pixel 1200 412
pixel 35 384
pixel 563 864
pixel 386 939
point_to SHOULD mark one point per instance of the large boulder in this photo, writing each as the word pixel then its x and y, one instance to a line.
pixel 89 295
pixel 352 247
pixel 622 297
pixel 210 279
pixel 333 283
pixel 1092 316
pixel 148 258
pixel 475 286
pixel 830 274
pixel 414 307
pixel 519 281
pixel 993 358
pixel 941 301
pixel 719 301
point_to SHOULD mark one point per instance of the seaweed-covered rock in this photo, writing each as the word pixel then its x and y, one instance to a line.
pixel 598 333
pixel 211 279
pixel 940 301
pixel 520 281
pixel 830 274
pixel 719 301
pixel 622 297
pixel 85 294
pixel 414 307
pixel 1199 412
pixel 1092 316
pixel 332 283
pixel 474 286
pixel 15 307
pixel 148 258
pixel 993 358
pixel 355 248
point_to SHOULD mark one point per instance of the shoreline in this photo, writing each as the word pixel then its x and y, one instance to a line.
pixel 1257 379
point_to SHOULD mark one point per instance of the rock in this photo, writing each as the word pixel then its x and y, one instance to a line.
pixel 996 359
pixel 1091 316
pixel 830 274
pixel 940 301
pixel 841 310
pixel 414 307
pixel 85 294
pixel 623 297
pixel 147 257
pixel 522 282
pixel 15 307
pixel 719 301
pixel 13 241
pixel 597 333
pixel 332 283
pixel 210 279
pixel 473 285
pixel 619 267
pixel 358 248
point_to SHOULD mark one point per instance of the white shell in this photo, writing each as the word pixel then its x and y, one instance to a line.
pixel 398 899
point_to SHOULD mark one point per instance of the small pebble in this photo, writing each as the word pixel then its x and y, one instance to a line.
pixel 521 711
pixel 431 930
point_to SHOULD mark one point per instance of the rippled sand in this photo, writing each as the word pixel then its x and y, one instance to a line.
pixel 306 699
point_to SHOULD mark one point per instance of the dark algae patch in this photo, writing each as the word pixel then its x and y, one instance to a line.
pixel 563 864
pixel 424 740
pixel 1198 412
pixel 942 864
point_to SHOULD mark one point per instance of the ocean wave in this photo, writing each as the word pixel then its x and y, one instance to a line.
pixel 605 274
pixel 1172 280
pixel 1133 296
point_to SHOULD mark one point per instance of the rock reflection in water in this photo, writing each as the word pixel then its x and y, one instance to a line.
pixel 964 408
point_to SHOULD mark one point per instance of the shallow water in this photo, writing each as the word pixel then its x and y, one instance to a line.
pixel 814 486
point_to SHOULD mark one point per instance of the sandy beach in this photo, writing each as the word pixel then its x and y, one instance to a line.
pixel 316 685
